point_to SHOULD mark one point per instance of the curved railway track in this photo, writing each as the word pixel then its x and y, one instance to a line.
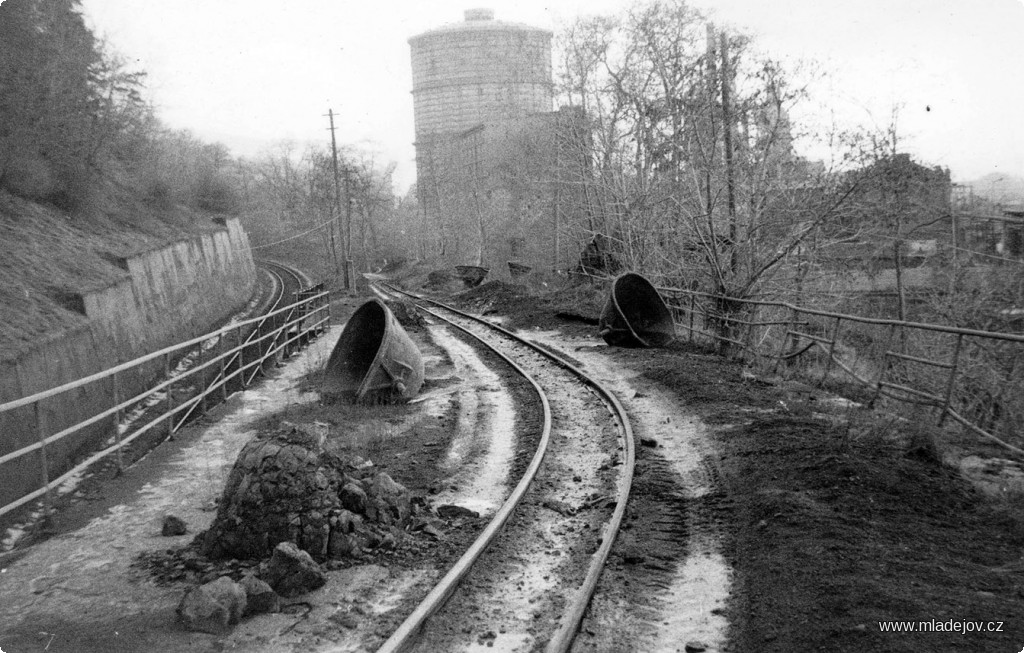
pixel 534 584
pixel 286 283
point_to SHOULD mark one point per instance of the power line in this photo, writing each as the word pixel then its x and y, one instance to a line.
pixel 284 240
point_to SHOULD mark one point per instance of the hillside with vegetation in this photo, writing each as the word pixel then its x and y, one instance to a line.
pixel 88 175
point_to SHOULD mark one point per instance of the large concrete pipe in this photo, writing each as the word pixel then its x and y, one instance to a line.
pixel 374 360
pixel 635 314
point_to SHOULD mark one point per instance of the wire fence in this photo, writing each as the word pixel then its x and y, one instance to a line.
pixel 975 378
pixel 194 375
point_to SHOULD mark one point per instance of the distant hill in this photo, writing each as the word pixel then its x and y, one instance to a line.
pixel 996 187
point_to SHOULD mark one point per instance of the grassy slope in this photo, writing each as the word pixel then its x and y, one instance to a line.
pixel 46 254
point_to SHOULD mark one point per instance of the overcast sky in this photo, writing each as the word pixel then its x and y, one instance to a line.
pixel 251 73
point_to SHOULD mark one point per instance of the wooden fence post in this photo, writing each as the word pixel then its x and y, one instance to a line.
pixel 883 366
pixel 787 335
pixel 952 375
pixel 749 339
pixel 693 301
pixel 831 352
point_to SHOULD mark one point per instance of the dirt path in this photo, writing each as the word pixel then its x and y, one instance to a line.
pixel 514 596
pixel 839 524
pixel 668 582
pixel 80 588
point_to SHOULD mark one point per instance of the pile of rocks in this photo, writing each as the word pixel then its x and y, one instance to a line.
pixel 216 606
pixel 289 499
pixel 285 488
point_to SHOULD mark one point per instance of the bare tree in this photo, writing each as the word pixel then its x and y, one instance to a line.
pixel 69 111
pixel 695 178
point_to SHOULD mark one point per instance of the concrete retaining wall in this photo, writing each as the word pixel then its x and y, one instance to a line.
pixel 174 294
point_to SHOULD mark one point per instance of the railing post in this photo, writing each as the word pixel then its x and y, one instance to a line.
pixel 950 381
pixel 883 366
pixel 241 357
pixel 223 367
pixel 787 335
pixel 44 463
pixel 170 395
pixel 831 352
pixel 693 301
pixel 289 348
pixel 201 381
pixel 117 425
pixel 257 340
pixel 748 342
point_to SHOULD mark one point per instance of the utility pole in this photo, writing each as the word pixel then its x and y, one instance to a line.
pixel 332 248
pixel 337 201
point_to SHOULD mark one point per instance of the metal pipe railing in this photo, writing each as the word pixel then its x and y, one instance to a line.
pixel 686 304
pixel 303 321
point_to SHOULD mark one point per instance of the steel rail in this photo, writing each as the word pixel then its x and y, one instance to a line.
pixel 573 615
pixel 407 631
pixel 279 283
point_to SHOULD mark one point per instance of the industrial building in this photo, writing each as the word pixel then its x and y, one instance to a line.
pixel 493 159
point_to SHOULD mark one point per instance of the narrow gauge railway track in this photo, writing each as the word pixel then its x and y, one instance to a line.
pixel 528 578
pixel 286 283
pixel 290 280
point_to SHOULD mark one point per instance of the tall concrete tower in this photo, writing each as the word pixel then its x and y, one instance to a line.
pixel 476 72
pixel 480 89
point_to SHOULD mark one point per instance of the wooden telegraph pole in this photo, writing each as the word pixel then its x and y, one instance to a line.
pixel 337 203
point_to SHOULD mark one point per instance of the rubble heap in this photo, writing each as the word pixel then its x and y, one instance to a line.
pixel 284 487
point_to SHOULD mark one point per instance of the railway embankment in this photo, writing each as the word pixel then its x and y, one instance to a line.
pixel 83 295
